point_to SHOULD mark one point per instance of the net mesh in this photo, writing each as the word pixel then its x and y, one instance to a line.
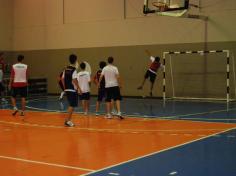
pixel 196 76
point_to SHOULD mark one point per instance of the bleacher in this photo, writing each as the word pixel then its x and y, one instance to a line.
pixel 36 86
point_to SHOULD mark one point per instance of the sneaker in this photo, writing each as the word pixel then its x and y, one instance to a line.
pixel 22 113
pixel 69 123
pixel 113 112
pixel 119 115
pixel 4 100
pixel 108 116
pixel 15 112
pixel 97 114
pixel 140 88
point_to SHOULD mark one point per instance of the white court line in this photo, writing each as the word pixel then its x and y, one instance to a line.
pixel 148 155
pixel 105 129
pixel 151 117
pixel 45 163
pixel 147 116
pixel 200 113
pixel 45 110
pixel 208 119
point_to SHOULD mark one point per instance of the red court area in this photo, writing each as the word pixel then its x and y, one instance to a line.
pixel 40 145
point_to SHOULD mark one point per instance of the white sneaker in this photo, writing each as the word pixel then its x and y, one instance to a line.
pixel 108 116
pixel 69 123
pixel 97 114
pixel 113 112
pixel 120 115
pixel 4 100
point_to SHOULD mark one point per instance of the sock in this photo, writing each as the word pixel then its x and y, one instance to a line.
pixel 62 94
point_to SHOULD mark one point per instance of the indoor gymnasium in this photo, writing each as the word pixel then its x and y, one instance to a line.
pixel 117 88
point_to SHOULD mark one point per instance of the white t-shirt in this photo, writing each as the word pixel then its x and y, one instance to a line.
pixel 83 78
pixel 110 72
pixel 1 75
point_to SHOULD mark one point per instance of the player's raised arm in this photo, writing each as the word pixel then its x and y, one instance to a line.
pixel 148 53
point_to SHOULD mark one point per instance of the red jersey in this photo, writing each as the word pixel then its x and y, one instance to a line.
pixel 97 77
pixel 19 74
pixel 154 65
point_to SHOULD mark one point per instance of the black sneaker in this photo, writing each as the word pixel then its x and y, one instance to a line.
pixel 119 115
pixel 69 123
pixel 22 113
pixel 15 112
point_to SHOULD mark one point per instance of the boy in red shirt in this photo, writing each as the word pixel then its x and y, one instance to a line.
pixel 151 73
pixel 18 84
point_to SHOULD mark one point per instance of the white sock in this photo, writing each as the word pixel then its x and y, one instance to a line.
pixel 62 94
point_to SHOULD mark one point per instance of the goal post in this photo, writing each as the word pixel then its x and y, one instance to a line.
pixel 225 79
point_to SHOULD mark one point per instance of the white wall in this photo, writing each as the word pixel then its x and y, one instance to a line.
pixel 6 22
pixel 56 24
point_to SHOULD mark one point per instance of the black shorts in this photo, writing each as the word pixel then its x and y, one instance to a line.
pixel 2 88
pixel 101 94
pixel 72 98
pixel 113 93
pixel 152 76
pixel 22 91
pixel 84 96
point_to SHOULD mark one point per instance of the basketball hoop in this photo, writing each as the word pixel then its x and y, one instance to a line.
pixel 162 7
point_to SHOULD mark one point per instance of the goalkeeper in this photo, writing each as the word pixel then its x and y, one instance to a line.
pixel 151 73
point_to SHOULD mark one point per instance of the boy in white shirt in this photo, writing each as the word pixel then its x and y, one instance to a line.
pixel 84 82
pixel 112 85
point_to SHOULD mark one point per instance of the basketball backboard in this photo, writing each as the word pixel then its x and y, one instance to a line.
pixel 166 7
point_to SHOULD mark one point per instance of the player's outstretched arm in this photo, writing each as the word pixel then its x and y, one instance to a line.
pixel 148 53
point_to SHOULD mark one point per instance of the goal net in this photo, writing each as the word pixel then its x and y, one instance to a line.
pixel 198 75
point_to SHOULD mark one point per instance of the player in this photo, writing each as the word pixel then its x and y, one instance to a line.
pixel 112 85
pixel 84 82
pixel 71 87
pixel 18 84
pixel 2 88
pixel 2 63
pixel 61 86
pixel 151 73
pixel 101 88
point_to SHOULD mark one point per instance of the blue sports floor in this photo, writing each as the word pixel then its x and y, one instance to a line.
pixel 213 155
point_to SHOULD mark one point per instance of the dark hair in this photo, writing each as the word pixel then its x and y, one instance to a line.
pixel 157 59
pixel 102 64
pixel 20 58
pixel 82 65
pixel 73 58
pixel 110 59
